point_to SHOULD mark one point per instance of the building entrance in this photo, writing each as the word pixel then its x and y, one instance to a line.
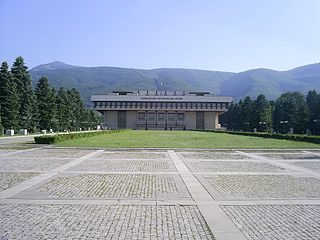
pixel 122 119
pixel 200 120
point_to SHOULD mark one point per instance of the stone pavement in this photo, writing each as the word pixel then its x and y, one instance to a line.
pixel 65 193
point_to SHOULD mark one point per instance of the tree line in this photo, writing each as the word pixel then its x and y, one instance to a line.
pixel 43 108
pixel 292 112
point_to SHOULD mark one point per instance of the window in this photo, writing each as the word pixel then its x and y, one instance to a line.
pixel 181 117
pixel 160 117
pixel 223 105
pixel 154 105
pixel 171 117
pixel 198 105
pixel 194 105
pixel 141 116
pixel 148 105
pixel 188 105
pixel 151 117
pixel 184 105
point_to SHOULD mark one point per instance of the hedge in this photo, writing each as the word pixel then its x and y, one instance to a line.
pixel 49 139
pixel 291 137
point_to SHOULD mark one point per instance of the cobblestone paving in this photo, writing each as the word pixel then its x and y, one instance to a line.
pixel 114 186
pixel 212 155
pixel 40 164
pixel 285 222
pixel 9 179
pixel 102 222
pixel 231 166
pixel 4 151
pixel 291 156
pixel 134 155
pixel 125 166
pixel 264 186
pixel 53 153
pixel 313 165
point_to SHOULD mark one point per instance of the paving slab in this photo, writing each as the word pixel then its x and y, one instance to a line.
pixel 102 222
pixel 276 222
pixel 107 165
pixel 114 186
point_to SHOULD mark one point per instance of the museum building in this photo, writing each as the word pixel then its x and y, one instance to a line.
pixel 166 110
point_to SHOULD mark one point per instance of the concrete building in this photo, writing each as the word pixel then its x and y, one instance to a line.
pixel 161 109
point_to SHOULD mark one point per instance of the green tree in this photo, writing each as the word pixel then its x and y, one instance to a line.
pixel 9 99
pixel 290 111
pixel 262 119
pixel 313 103
pixel 46 104
pixel 247 112
pixel 63 110
pixel 22 78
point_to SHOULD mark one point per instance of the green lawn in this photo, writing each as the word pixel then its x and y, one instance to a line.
pixel 180 139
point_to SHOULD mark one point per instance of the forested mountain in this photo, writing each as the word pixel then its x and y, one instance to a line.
pixel 97 80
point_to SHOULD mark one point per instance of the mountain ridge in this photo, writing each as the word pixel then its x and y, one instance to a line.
pixel 103 79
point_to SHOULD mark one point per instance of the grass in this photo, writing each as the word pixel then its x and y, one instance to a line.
pixel 180 139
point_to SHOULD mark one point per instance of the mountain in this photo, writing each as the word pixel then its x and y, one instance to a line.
pixel 99 80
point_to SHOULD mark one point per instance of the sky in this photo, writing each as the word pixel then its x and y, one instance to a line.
pixel 225 35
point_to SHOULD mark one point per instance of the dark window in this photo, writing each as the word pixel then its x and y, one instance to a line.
pixel 141 116
pixel 180 116
pixel 171 117
pixel 160 116
pixel 151 117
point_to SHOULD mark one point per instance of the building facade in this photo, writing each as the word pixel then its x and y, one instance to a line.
pixel 161 110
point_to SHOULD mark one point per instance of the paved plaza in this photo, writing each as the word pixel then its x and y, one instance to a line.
pixel 65 193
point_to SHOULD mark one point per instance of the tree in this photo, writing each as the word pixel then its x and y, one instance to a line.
pixel 22 79
pixel 63 110
pixel 290 111
pixel 262 119
pixel 1 127
pixel 9 99
pixel 247 112
pixel 313 103
pixel 46 104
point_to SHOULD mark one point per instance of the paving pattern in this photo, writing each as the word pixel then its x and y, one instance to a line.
pixel 277 222
pixel 106 165
pixel 114 186
pixel 9 179
pixel 61 193
pixel 231 166
pixel 102 222
pixel 264 186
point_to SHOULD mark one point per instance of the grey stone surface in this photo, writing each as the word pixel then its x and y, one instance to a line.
pixel 102 222
pixel 277 222
pixel 313 165
pixel 134 155
pixel 211 155
pixel 31 164
pixel 231 166
pixel 52 153
pixel 159 194
pixel 125 165
pixel 9 179
pixel 111 186
pixel 261 186
pixel 291 156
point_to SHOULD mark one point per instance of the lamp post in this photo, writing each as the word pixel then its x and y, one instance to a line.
pixel 263 125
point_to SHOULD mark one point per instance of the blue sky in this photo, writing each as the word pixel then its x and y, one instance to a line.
pixel 228 35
